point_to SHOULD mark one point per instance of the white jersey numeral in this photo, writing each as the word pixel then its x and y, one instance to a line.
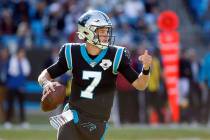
pixel 86 75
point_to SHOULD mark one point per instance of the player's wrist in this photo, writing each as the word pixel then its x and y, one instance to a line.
pixel 145 71
pixel 44 83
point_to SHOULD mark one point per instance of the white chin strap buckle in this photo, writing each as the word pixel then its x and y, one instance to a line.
pixel 102 46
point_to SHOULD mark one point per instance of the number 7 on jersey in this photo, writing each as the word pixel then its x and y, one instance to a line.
pixel 86 75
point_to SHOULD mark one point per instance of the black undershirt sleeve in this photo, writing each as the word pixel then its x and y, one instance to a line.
pixel 125 67
pixel 59 67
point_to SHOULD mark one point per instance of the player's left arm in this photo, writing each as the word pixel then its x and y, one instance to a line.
pixel 142 81
pixel 138 81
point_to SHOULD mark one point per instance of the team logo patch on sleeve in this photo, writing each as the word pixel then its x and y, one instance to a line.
pixel 105 64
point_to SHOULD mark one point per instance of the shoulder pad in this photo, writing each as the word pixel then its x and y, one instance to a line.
pixel 73 44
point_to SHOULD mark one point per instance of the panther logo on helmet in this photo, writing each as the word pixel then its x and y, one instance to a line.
pixel 89 22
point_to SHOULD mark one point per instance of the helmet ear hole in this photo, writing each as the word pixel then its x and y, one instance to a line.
pixel 86 39
pixel 86 33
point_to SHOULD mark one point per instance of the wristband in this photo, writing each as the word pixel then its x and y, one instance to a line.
pixel 145 72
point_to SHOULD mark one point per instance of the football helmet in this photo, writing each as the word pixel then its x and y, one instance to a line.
pixel 89 22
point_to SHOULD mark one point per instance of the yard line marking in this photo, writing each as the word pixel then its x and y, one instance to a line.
pixel 47 127
pixel 41 127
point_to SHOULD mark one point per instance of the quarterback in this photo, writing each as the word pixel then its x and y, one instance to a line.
pixel 94 65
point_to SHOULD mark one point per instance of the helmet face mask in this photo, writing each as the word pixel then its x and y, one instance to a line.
pixel 104 36
pixel 88 25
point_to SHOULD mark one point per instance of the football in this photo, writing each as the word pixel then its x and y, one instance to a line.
pixel 51 100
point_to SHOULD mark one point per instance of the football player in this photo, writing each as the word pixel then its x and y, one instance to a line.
pixel 94 65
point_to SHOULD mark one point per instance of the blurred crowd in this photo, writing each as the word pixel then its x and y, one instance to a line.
pixel 47 24
pixel 14 70
pixel 153 108
pixel 199 10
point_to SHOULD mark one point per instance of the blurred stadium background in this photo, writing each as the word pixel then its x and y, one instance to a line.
pixel 38 28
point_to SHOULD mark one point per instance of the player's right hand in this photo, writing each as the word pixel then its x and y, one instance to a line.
pixel 49 87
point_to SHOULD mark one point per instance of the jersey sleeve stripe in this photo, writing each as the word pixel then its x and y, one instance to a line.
pixel 68 56
pixel 117 59
pixel 75 116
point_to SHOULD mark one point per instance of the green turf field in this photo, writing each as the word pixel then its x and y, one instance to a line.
pixel 41 130
pixel 125 133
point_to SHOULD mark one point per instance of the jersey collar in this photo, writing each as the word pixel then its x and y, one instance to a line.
pixel 90 61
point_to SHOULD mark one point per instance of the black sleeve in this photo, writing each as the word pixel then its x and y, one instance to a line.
pixel 125 67
pixel 59 67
